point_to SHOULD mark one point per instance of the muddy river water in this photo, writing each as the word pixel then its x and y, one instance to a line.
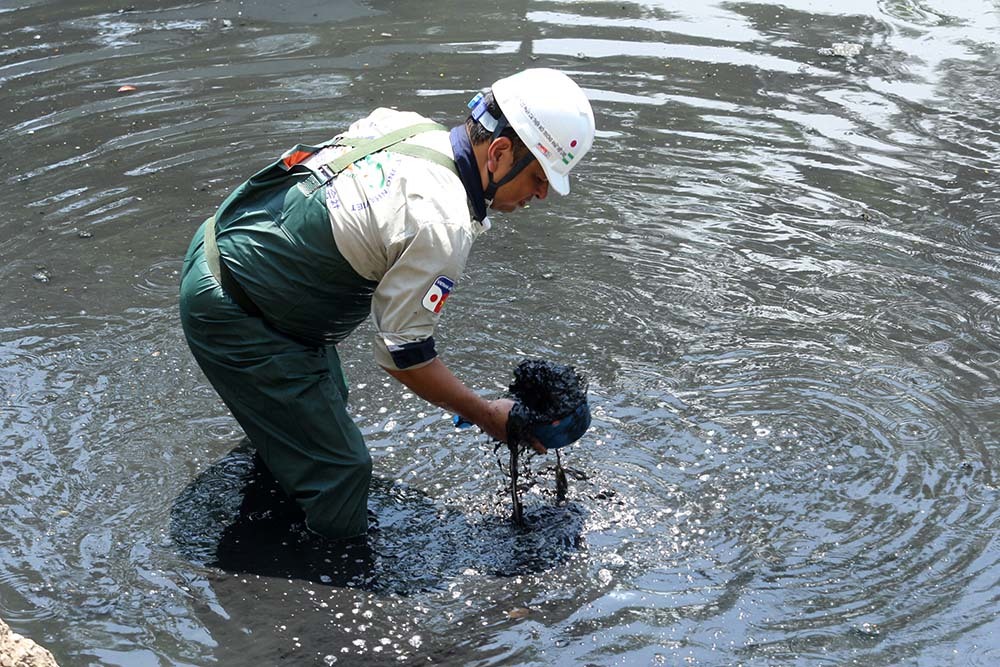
pixel 778 269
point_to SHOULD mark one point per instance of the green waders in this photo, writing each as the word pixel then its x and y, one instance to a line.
pixel 277 369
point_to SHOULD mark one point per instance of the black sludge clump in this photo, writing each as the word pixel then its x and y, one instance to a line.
pixel 543 392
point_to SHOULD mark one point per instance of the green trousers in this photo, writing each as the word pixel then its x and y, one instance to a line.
pixel 289 397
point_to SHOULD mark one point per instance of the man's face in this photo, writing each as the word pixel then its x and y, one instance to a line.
pixel 527 185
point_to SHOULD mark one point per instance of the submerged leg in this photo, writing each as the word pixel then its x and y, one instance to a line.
pixel 290 399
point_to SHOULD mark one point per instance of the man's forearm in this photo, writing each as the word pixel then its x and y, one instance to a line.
pixel 438 385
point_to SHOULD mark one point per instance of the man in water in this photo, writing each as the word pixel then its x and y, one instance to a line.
pixel 379 219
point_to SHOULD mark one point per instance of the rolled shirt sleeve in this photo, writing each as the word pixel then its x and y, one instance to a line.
pixel 425 264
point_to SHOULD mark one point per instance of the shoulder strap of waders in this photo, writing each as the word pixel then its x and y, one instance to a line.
pixel 423 152
pixel 221 273
pixel 361 148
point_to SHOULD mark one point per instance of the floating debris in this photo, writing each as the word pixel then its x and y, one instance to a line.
pixel 41 274
pixel 842 50
pixel 517 613
pixel 84 234
pixel 868 630
pixel 128 88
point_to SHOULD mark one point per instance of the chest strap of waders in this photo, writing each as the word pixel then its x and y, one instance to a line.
pixel 362 148
pixel 222 274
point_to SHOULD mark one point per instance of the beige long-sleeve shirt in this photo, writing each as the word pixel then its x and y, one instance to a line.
pixel 404 222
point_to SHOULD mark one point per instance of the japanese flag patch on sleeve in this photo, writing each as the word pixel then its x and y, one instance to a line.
pixel 437 294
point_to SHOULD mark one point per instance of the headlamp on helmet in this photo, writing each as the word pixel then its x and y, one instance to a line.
pixel 481 113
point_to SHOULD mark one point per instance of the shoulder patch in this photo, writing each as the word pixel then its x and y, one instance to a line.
pixel 438 293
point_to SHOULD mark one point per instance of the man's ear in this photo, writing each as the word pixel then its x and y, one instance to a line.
pixel 500 146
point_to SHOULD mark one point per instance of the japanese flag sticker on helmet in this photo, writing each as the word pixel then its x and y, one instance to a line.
pixel 552 116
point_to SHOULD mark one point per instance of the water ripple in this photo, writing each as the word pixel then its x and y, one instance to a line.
pixel 160 278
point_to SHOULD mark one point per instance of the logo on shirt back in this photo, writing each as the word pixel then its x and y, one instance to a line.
pixel 437 294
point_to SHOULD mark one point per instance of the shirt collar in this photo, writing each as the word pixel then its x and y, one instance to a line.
pixel 468 171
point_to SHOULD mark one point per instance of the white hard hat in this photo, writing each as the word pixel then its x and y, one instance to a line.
pixel 552 116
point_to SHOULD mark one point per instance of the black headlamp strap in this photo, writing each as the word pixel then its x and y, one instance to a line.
pixel 492 186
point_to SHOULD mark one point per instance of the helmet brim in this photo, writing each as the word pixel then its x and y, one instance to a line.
pixel 558 182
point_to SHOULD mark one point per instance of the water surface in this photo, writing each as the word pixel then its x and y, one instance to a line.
pixel 778 268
